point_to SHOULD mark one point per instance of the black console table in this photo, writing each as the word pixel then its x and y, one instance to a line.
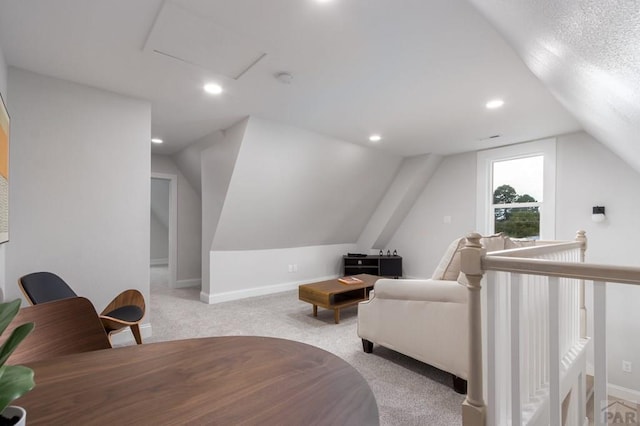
pixel 384 266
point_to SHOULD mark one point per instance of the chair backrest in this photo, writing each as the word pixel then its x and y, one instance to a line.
pixel 63 327
pixel 43 287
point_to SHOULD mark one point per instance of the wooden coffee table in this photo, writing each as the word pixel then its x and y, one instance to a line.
pixel 332 294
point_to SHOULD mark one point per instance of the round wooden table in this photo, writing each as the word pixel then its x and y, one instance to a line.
pixel 217 380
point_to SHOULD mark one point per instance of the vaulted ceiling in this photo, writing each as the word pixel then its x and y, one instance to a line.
pixel 587 53
pixel 417 72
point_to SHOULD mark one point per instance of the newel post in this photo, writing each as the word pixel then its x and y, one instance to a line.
pixel 473 407
pixel 581 237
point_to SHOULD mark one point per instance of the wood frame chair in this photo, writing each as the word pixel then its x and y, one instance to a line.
pixel 126 310
pixel 62 327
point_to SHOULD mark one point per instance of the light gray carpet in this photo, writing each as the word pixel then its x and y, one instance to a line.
pixel 408 392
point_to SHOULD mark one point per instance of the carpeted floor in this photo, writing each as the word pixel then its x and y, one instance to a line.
pixel 408 392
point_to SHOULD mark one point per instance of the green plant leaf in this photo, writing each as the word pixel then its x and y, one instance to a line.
pixel 8 312
pixel 16 381
pixel 14 340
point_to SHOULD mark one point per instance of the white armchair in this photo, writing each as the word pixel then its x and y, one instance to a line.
pixel 425 319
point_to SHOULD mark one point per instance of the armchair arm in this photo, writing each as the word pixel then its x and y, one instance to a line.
pixel 426 290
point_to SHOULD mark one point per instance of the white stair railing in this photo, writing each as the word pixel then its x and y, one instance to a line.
pixel 536 343
pixel 525 324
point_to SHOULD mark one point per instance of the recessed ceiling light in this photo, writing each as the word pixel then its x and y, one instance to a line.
pixel 495 103
pixel 156 140
pixel 375 138
pixel 213 88
pixel 324 1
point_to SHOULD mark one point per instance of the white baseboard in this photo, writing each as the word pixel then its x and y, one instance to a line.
pixel 623 393
pixel 195 282
pixel 155 262
pixel 256 291
pixel 125 337
pixel 618 391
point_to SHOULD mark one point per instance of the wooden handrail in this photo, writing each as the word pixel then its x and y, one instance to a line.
pixel 581 271
pixel 539 249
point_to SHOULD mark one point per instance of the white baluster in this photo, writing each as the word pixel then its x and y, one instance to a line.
pixel 539 324
pixel 581 237
pixel 492 371
pixel 516 399
pixel 541 352
pixel 555 414
pixel 600 378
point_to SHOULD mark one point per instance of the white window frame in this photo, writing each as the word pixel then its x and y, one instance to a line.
pixel 485 221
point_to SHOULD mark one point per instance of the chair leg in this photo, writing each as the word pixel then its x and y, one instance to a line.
pixel 135 329
pixel 367 346
pixel 459 385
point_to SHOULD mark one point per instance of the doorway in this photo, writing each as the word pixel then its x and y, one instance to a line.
pixel 163 235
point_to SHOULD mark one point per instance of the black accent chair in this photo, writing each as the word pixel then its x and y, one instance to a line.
pixel 126 310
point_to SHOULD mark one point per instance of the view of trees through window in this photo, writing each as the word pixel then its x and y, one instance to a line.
pixel 517 196
pixel 517 222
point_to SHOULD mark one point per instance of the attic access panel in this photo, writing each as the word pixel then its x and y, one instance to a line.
pixel 185 36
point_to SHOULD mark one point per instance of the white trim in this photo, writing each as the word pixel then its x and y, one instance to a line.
pixel 256 291
pixel 156 262
pixel 623 393
pixel 194 282
pixel 125 337
pixel 515 205
pixel 545 147
pixel 616 391
pixel 173 225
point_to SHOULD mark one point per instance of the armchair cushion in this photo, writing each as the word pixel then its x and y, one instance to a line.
pixel 495 242
pixel 511 243
pixel 449 267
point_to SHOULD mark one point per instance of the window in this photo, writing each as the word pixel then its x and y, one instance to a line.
pixel 516 190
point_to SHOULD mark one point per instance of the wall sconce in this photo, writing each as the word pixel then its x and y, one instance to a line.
pixel 598 214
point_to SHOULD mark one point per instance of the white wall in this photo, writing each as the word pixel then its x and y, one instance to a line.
pixel 246 273
pixel 79 186
pixel 217 166
pixel 189 221
pixel 159 246
pixel 411 178
pixel 189 159
pixel 293 195
pixel 423 236
pixel 588 174
pixel 3 90
pixel 591 175
pixel 160 198
pixel 294 188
